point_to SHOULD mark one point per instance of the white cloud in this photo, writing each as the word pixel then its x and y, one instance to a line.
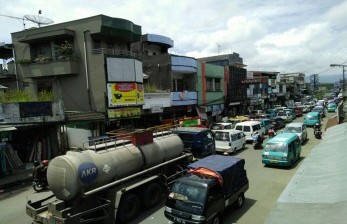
pixel 296 35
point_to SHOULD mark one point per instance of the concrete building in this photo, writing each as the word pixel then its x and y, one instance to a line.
pixel 236 100
pixel 170 83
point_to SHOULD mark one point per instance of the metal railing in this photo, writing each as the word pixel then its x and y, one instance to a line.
pixel 116 52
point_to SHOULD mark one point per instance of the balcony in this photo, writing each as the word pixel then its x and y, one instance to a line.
pixel 31 112
pixel 182 64
pixel 184 98
pixel 34 70
pixel 157 101
pixel 115 52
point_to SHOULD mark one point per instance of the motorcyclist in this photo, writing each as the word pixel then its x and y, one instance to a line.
pixel 272 131
pixel 316 127
pixel 40 169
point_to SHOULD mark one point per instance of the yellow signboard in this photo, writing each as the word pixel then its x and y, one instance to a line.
pixel 120 94
pixel 125 112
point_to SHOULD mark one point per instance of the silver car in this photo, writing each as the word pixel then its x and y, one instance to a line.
pixel 299 128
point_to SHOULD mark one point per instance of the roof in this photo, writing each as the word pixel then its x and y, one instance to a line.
pixel 248 123
pixel 231 131
pixel 283 137
pixel 317 192
pixel 190 129
pixel 295 124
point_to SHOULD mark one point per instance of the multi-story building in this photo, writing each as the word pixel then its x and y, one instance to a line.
pixel 236 101
pixel 96 79
pixel 262 89
pixel 170 83
pixel 211 91
pixel 295 83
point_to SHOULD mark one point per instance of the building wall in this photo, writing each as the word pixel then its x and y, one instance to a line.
pixel 209 71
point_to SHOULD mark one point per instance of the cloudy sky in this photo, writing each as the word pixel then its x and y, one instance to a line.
pixel 274 35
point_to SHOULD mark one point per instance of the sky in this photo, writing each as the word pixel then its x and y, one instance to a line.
pixel 275 35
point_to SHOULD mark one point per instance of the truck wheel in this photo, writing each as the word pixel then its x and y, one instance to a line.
pixel 216 220
pixel 129 208
pixel 240 200
pixel 152 195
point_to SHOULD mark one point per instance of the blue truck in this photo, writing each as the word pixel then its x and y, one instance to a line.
pixel 209 187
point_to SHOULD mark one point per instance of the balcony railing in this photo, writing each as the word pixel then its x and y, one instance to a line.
pixel 49 68
pixel 115 52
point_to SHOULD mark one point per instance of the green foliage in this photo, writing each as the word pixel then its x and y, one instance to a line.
pixel 64 51
pixel 42 59
pixel 150 88
pixel 45 96
pixel 11 96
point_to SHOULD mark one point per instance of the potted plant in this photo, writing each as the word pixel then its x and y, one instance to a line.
pixel 64 51
pixel 42 59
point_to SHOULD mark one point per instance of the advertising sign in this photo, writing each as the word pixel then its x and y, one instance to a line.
pixel 125 112
pixel 123 94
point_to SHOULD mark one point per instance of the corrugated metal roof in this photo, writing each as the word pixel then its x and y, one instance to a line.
pixel 317 193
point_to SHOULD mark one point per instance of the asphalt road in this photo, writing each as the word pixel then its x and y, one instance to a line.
pixel 266 185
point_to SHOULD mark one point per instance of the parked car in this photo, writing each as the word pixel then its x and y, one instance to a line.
pixel 319 109
pixel 331 107
pixel 229 141
pixel 285 115
pixel 299 128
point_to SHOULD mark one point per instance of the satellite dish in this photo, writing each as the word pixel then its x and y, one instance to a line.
pixel 40 20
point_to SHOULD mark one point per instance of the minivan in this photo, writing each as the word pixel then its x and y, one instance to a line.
pixel 249 127
pixel 282 150
pixel 200 140
pixel 312 118
pixel 229 141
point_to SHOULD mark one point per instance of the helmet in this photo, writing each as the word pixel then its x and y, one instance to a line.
pixel 45 162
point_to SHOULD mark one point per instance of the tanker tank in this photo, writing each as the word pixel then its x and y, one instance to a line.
pixel 76 172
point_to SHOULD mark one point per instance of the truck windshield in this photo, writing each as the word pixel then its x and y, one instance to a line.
pixel 276 147
pixel 192 196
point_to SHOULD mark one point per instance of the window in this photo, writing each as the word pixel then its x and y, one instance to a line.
pixel 246 128
pixel 217 85
pixel 213 84
pixel 97 44
pixel 178 85
pixel 209 84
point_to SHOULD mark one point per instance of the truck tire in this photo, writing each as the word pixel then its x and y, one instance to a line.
pixel 240 200
pixel 216 219
pixel 152 195
pixel 129 208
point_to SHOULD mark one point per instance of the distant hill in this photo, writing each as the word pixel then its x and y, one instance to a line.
pixel 326 78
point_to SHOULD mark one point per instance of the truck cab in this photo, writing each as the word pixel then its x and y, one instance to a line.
pixel 211 185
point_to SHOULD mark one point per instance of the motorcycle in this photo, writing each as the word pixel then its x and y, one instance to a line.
pixel 40 175
pixel 271 133
pixel 257 142
pixel 318 133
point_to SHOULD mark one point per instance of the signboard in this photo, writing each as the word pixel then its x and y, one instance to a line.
pixel 122 94
pixel 125 112
pixel 253 81
pixel 157 108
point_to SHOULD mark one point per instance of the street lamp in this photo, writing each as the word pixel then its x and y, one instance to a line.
pixel 343 77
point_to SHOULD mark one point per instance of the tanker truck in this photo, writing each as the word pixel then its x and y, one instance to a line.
pixel 112 181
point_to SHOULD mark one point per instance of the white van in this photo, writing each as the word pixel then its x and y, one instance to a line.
pixel 249 127
pixel 229 140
